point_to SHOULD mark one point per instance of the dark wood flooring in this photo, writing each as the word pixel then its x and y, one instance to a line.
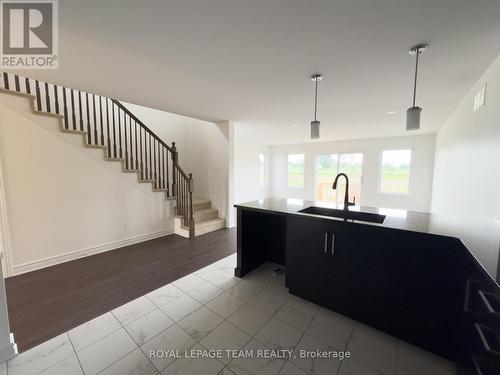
pixel 45 303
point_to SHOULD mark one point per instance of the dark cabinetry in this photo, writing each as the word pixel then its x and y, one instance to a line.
pixel 402 284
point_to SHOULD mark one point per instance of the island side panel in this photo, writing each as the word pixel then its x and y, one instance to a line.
pixel 261 237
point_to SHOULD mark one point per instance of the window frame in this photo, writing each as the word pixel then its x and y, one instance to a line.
pixel 286 172
pixel 379 177
pixel 264 186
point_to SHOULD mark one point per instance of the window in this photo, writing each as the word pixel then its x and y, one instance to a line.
pixel 395 171
pixel 262 171
pixel 327 167
pixel 295 171
pixel 326 170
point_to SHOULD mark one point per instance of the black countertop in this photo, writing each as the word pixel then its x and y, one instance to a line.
pixel 480 237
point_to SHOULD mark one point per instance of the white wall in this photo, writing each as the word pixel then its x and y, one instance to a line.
pixel 467 169
pixel 418 199
pixel 65 201
pixel 246 169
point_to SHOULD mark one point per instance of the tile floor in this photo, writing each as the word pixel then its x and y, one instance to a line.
pixel 212 309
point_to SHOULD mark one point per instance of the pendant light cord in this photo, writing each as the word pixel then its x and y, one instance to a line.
pixel 316 99
pixel 415 83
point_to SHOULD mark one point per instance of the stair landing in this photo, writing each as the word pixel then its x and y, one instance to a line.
pixel 206 219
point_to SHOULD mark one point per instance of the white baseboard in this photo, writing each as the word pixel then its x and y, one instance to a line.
pixel 76 254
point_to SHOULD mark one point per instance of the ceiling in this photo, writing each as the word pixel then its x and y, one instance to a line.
pixel 250 61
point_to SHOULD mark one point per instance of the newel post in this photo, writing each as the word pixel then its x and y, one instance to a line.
pixel 191 216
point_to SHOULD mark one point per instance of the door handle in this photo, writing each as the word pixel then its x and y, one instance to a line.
pixel 326 242
pixel 333 244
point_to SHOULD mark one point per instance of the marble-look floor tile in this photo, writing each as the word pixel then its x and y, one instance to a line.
pixel 134 363
pixel 133 310
pixel 331 328
pixel 95 329
pixel 268 302
pixel 210 272
pixel 416 361
pixel 279 335
pixel 255 365
pixel 172 338
pixel 192 366
pixel 181 307
pixel 226 304
pixel 225 337
pixel 377 350
pixel 68 366
pixel 164 295
pixel 148 326
pixel 106 351
pixel 298 313
pixel 225 281
pixel 245 290
pixel 290 369
pixel 352 367
pixel 205 293
pixel 41 357
pixel 314 365
pixel 250 319
pixel 189 282
pixel 200 323
pixel 226 371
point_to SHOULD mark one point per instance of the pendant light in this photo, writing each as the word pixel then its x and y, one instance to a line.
pixel 413 113
pixel 315 124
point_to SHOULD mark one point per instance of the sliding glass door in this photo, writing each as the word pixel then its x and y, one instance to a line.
pixel 327 167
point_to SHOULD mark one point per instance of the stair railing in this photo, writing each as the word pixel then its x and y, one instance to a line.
pixel 108 124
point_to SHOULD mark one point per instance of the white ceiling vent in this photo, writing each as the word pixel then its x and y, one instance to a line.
pixel 480 99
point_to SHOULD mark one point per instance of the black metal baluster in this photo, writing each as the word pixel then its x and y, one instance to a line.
pixel 96 137
pixel 131 166
pixel 140 153
pixel 38 99
pixel 125 138
pixel 150 160
pixel 16 82
pixel 56 96
pixel 89 132
pixel 28 85
pixel 136 148
pixel 163 166
pixel 114 130
pixel 80 109
pixel 167 183
pixel 47 97
pixel 65 104
pixel 100 117
pixel 155 174
pixel 120 133
pixel 73 114
pixel 107 124
pixel 5 81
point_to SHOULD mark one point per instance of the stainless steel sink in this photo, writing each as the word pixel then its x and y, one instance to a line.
pixel 344 214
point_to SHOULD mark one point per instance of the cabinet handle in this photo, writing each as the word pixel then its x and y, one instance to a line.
pixel 333 244
pixel 326 242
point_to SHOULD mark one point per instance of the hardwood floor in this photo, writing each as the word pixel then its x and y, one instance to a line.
pixel 45 303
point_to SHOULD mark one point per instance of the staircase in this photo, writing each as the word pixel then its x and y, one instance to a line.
pixel 107 124
pixel 206 218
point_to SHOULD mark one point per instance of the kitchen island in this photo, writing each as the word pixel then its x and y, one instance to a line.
pixel 416 276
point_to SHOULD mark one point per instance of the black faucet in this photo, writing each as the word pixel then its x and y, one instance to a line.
pixel 346 197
